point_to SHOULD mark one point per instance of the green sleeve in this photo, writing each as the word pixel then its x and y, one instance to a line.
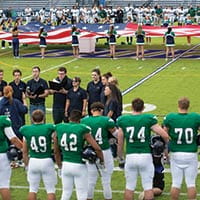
pixel 111 123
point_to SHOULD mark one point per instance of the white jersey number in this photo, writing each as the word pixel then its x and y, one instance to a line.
pixel 40 145
pixel 98 136
pixel 140 134
pixel 188 132
pixel 71 145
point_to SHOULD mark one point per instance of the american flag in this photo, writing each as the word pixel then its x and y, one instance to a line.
pixel 62 34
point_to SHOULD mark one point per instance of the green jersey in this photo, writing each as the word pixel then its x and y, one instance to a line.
pixel 71 140
pixel 137 132
pixel 100 126
pixel 4 122
pixel 183 129
pixel 39 139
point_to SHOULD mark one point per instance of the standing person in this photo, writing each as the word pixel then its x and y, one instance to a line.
pixel 2 83
pixel 3 28
pixel 75 43
pixel 136 130
pixel 28 14
pixel 112 40
pixel 70 139
pixel 101 128
pixel 113 80
pixel 94 88
pixel 6 133
pixel 183 129
pixel 37 155
pixel 13 108
pixel 59 96
pixel 37 91
pixel 104 79
pixel 140 35
pixel 112 107
pixel 43 44
pixel 19 89
pixel 15 42
pixel 76 98
pixel 169 42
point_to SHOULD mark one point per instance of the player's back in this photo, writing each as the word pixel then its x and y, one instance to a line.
pixel 39 139
pixel 137 130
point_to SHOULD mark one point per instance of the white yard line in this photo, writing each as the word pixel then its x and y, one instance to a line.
pixel 152 74
pixel 97 191
pixel 51 68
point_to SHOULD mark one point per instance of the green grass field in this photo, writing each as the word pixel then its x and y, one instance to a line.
pixel 181 78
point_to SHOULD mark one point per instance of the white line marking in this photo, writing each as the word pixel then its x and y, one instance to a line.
pixel 152 74
pixel 98 191
pixel 51 68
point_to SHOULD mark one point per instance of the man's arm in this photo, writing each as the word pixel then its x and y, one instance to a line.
pixel 120 145
pixel 67 106
pixel 45 94
pixel 84 107
pixel 160 131
pixel 25 153
pixel 114 131
pixel 12 137
pixel 57 154
pixel 96 147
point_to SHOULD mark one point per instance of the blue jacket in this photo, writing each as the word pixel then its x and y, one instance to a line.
pixel 14 111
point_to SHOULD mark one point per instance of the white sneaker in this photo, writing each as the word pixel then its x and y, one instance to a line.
pixel 141 196
pixel 166 59
pixel 3 47
pixel 137 58
pixel 143 59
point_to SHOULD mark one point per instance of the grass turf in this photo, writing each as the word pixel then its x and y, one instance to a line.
pixel 182 78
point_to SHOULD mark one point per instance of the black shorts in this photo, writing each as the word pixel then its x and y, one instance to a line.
pixel 158 180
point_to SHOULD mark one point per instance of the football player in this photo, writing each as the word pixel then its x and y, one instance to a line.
pixel 158 147
pixel 101 127
pixel 183 129
pixel 70 138
pixel 6 132
pixel 37 145
pixel 136 130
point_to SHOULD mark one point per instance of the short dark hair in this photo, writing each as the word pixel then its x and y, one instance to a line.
pixel 97 71
pixel 107 75
pixel 37 116
pixel 137 105
pixel 184 103
pixel 36 67
pixel 75 116
pixel 76 79
pixel 17 71
pixel 97 106
pixel 62 69
pixel 1 70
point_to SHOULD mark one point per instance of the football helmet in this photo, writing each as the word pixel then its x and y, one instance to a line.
pixel 89 154
pixel 14 153
pixel 157 145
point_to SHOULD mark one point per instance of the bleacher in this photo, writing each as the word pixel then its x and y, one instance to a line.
pixel 38 4
pixel 21 4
